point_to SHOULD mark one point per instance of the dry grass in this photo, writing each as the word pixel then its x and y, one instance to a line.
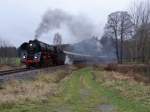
pixel 126 84
pixel 5 67
pixel 142 69
pixel 76 92
pixel 41 88
pixel 139 72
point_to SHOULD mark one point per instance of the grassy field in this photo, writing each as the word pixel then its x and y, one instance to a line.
pixel 10 61
pixel 84 90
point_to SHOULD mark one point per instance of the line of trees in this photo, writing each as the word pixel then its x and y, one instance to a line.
pixel 130 33
pixel 8 53
pixel 7 50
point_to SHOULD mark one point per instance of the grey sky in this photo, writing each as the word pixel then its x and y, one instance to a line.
pixel 20 18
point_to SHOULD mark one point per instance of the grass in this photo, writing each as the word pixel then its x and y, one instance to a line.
pixel 21 91
pixel 80 94
pixel 85 90
pixel 10 61
pixel 124 84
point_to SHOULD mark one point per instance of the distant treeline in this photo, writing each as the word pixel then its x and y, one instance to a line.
pixel 8 52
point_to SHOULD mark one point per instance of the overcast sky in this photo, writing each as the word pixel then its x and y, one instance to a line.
pixel 20 18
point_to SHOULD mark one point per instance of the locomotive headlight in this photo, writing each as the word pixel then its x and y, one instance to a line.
pixel 35 57
pixel 30 45
pixel 24 57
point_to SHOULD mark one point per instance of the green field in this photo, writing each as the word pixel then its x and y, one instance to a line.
pixel 84 90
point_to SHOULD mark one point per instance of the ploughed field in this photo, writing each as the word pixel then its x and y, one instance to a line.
pixel 85 89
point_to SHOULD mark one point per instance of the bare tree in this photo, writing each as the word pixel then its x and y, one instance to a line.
pixel 119 27
pixel 140 13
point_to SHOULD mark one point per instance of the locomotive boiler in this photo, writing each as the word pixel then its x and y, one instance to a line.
pixel 39 54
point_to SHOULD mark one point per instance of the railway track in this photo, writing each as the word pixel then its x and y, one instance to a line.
pixel 8 72
pixel 13 71
pixel 28 74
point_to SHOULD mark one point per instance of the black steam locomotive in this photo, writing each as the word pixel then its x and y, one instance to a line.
pixel 39 54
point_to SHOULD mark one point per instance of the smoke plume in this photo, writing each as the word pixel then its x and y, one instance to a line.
pixel 79 26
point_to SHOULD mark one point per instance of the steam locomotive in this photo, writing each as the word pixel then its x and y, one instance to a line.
pixel 39 54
